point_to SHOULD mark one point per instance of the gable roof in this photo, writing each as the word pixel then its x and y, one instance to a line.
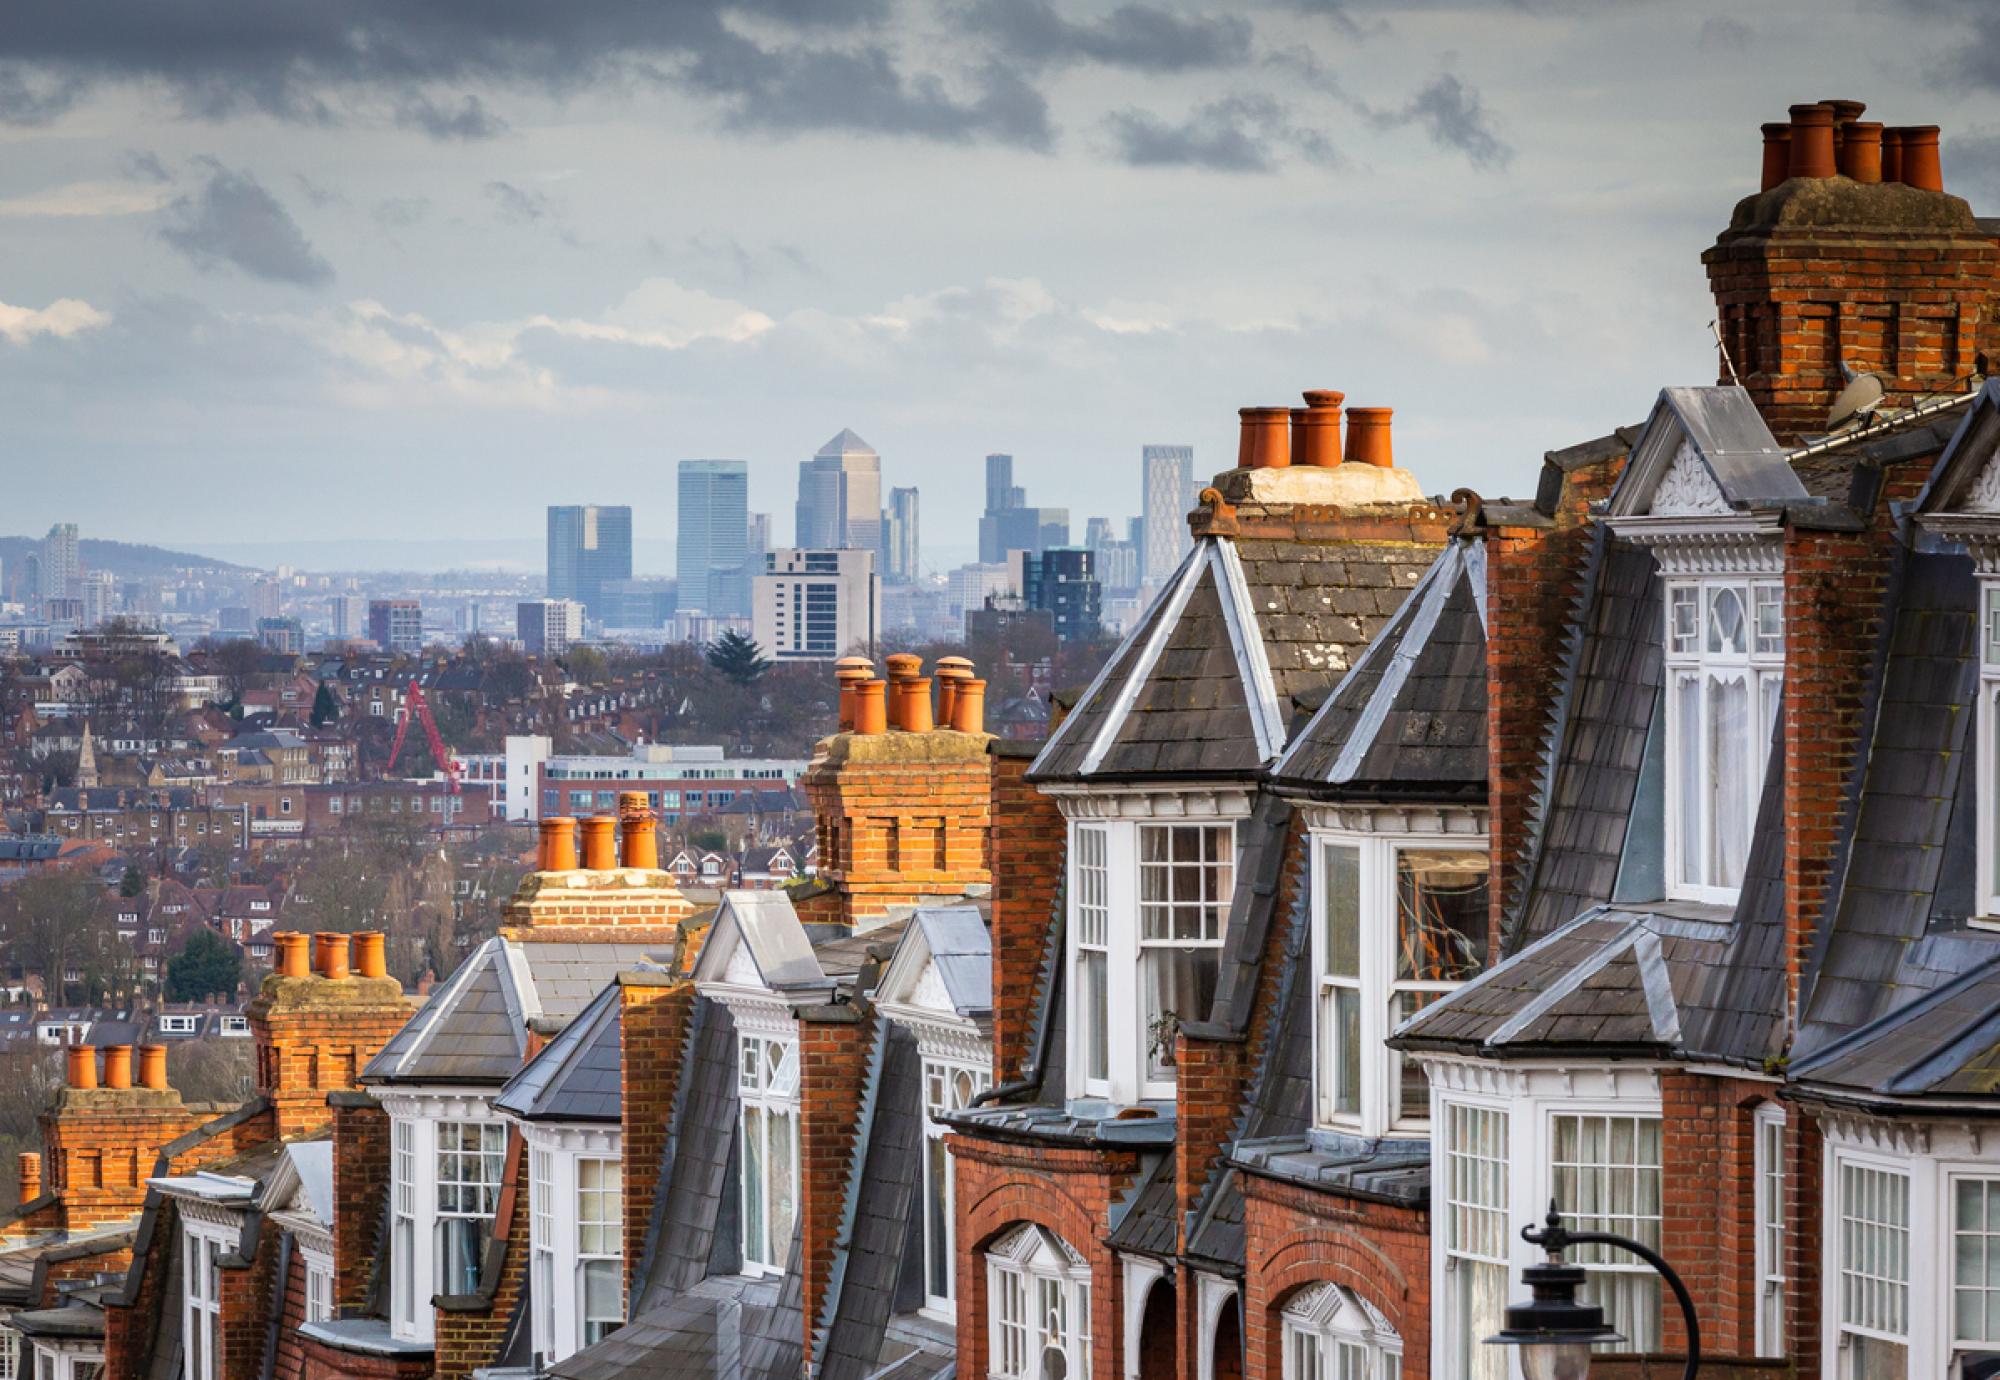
pixel 952 942
pixel 1410 717
pixel 576 1075
pixel 1721 431
pixel 764 925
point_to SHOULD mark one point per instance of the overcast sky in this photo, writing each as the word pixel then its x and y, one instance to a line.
pixel 412 269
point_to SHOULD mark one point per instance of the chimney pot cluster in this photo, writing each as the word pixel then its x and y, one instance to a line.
pixel 626 839
pixel 1829 138
pixel 1278 437
pixel 82 1073
pixel 871 707
pixel 329 954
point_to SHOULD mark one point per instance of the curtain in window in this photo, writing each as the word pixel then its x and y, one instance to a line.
pixel 1731 772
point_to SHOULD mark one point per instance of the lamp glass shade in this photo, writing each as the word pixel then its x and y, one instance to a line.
pixel 1555 1360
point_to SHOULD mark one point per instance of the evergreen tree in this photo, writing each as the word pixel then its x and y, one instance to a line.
pixel 133 882
pixel 325 708
pixel 208 966
pixel 738 659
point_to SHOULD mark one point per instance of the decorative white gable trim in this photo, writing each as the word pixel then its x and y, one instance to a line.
pixel 1218 802
pixel 1246 638
pixel 1140 1276
pixel 1687 489
pixel 1212 1294
pixel 941 1034
pixel 1984 495
pixel 741 970
pixel 1466 823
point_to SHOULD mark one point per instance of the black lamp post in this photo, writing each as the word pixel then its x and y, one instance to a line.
pixel 1554 1331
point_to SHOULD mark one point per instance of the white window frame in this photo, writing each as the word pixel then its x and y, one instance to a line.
pixel 1987 738
pixel 542 1251
pixel 1377 1106
pixel 1130 1072
pixel 415 1198
pixel 1038 1297
pixel 949 1085
pixel 202 1248
pixel 1689 660
pixel 1768 1160
pixel 600 1242
pixel 767 1082
pixel 56 1361
pixel 319 1284
pixel 1463 1198
pixel 1606 1268
pixel 1845 1273
pixel 10 1354
pixel 1329 1332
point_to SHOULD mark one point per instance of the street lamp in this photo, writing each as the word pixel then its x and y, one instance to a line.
pixel 1554 1331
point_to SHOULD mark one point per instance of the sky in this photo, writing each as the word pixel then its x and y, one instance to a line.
pixel 376 280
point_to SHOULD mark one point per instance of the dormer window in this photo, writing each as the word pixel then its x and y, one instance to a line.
pixel 1989 754
pixel 767 1085
pixel 1725 655
pixel 1151 898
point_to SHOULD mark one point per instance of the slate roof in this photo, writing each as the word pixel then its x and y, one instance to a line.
pixel 955 942
pixel 1410 717
pixel 1944 1045
pixel 1728 436
pixel 473 1029
pixel 766 924
pixel 576 1075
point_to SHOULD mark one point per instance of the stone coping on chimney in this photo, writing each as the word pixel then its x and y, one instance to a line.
pixel 1350 486
pixel 899 748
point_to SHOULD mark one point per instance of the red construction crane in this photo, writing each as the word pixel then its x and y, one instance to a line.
pixel 416 704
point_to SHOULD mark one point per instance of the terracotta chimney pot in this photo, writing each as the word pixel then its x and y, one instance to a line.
pixel 903 665
pixel 1266 442
pixel 871 710
pixel 1920 158
pixel 558 844
pixel 333 950
pixel 31 1176
pixel 600 843
pixel 1845 112
pixel 638 844
pixel 1812 141
pixel 118 1066
pixel 1861 152
pixel 1777 155
pixel 371 954
pixel 82 1071
pixel 848 671
pixel 1316 431
pixel 968 708
pixel 1892 154
pixel 952 672
pixel 294 956
pixel 917 705
pixel 153 1067
pixel 1368 436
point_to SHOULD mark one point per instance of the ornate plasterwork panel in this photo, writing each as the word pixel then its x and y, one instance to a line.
pixel 1396 819
pixel 1984 495
pixel 1687 489
pixel 1226 802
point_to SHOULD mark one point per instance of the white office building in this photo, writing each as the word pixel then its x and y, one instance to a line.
pixel 816 605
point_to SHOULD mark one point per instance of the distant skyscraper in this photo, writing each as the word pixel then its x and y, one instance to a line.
pixel 546 627
pixel 1167 477
pixel 899 538
pixel 713 536
pixel 62 563
pixel 840 497
pixel 999 483
pixel 349 616
pixel 396 625
pixel 99 590
pixel 1063 580
pixel 817 605
pixel 588 545
pixel 1097 533
pixel 758 542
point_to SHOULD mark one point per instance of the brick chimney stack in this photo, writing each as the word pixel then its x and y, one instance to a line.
pixel 316 1028
pixel 103 1135
pixel 1851 253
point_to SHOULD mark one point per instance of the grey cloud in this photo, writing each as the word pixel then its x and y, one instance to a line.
pixel 311 63
pixel 401 212
pixel 234 220
pixel 1239 134
pixel 1455 117
pixel 468 120
pixel 320 197
pixel 1974 161
pixel 143 163
pixel 1721 33
pixel 520 206
pixel 1141 37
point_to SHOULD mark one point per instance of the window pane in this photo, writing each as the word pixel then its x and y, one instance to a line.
pixel 1687 703
pixel 1731 777
pixel 1441 920
pixel 783 1186
pixel 1340 939
pixel 1093 973
pixel 1409 1085
pixel 1606 1175
pixel 1770 598
pixel 1875 1249
pixel 754 1248
pixel 1180 986
pixel 1976 1260
pixel 1726 630
pixel 1344 1026
pixel 938 1233
pixel 1683 619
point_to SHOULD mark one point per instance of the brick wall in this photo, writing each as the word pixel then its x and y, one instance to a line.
pixel 652 1034
pixel 833 1069
pixel 1068 1191
pixel 1710 1209
pixel 1295 1236
pixel 129 1332
pixel 290 1361
pixel 323 1362
pixel 99 1147
pixel 245 1311
pixel 901 816
pixel 360 1183
pixel 1026 849
pixel 313 1035
pixel 1893 280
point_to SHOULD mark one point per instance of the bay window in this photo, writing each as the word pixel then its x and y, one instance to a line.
pixel 767 1087
pixel 1606 1170
pixel 1874 1273
pixel 319 1283
pixel 542 1250
pixel 1038 1308
pixel 1725 652
pixel 1332 1333
pixel 444 1186
pixel 948 1087
pixel 201 1304
pixel 576 1237
pixel 1476 1239
pixel 1975 1255
pixel 600 1247
pixel 1400 922
pixel 1150 898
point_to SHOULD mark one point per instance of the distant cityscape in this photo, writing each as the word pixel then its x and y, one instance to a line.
pixel 854 576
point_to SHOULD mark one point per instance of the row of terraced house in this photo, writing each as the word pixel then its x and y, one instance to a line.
pixel 1413 865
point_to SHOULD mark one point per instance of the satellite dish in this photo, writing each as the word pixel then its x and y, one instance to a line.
pixel 1857 400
